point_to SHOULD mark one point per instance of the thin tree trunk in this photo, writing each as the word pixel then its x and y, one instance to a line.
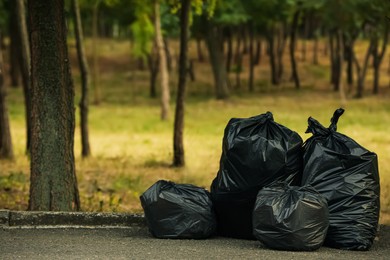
pixel 95 61
pixel 378 58
pixel 213 39
pixel 168 54
pixel 199 49
pixel 362 71
pixel 178 146
pixel 258 52
pixel 165 96
pixel 53 183
pixel 238 53
pixel 229 54
pixel 153 64
pixel 84 70
pixel 14 51
pixel 6 150
pixel 25 65
pixel 305 37
pixel 274 75
pixel 294 70
pixel 282 36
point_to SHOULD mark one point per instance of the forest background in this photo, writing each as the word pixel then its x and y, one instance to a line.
pixel 295 58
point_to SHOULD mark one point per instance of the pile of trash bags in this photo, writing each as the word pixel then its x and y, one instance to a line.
pixel 272 187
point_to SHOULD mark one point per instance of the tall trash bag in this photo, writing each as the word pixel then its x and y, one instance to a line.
pixel 346 174
pixel 178 211
pixel 256 152
pixel 290 218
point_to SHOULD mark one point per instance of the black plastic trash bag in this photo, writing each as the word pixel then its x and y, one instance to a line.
pixel 290 218
pixel 346 174
pixel 256 152
pixel 178 211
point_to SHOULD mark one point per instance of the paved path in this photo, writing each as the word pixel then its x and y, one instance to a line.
pixel 136 243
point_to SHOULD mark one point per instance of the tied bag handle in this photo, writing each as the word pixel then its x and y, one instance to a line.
pixel 335 119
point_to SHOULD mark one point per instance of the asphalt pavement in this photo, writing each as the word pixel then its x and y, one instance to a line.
pixel 55 242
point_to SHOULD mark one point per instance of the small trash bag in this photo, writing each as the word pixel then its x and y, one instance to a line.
pixel 178 211
pixel 256 152
pixel 346 174
pixel 290 218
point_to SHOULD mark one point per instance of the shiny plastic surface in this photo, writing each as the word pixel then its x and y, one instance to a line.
pixel 346 174
pixel 178 211
pixel 256 152
pixel 290 218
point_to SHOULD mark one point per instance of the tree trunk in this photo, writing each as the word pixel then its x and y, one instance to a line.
pixel 238 53
pixel 168 54
pixel 378 58
pixel 294 70
pixel 25 65
pixel 165 96
pixel 53 183
pixel 229 54
pixel 258 52
pixel 199 49
pixel 251 58
pixel 178 146
pixel 362 71
pixel 305 37
pixel 282 36
pixel 95 62
pixel 153 64
pixel 272 59
pixel 14 44
pixel 84 71
pixel 6 150
pixel 213 39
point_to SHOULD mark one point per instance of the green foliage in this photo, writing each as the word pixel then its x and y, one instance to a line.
pixel 4 14
pixel 142 28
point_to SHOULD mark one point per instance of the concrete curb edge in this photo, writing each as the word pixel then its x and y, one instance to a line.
pixel 10 218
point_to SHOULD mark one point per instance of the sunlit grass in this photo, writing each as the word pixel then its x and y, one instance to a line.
pixel 132 147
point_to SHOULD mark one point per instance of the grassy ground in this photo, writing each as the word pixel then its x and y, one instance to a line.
pixel 132 147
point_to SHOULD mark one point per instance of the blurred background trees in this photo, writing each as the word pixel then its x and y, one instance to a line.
pixel 230 48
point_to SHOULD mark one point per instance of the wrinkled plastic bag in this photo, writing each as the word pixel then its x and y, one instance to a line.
pixel 290 218
pixel 256 152
pixel 346 174
pixel 178 211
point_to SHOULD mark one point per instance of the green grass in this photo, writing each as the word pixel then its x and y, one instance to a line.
pixel 132 147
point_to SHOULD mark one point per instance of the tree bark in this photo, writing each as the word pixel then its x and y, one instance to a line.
pixel 53 183
pixel 95 62
pixel 294 70
pixel 165 96
pixel 378 58
pixel 14 65
pixel 84 71
pixel 25 65
pixel 153 64
pixel 272 59
pixel 199 49
pixel 229 54
pixel 258 52
pixel 362 71
pixel 6 149
pixel 213 39
pixel 178 146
